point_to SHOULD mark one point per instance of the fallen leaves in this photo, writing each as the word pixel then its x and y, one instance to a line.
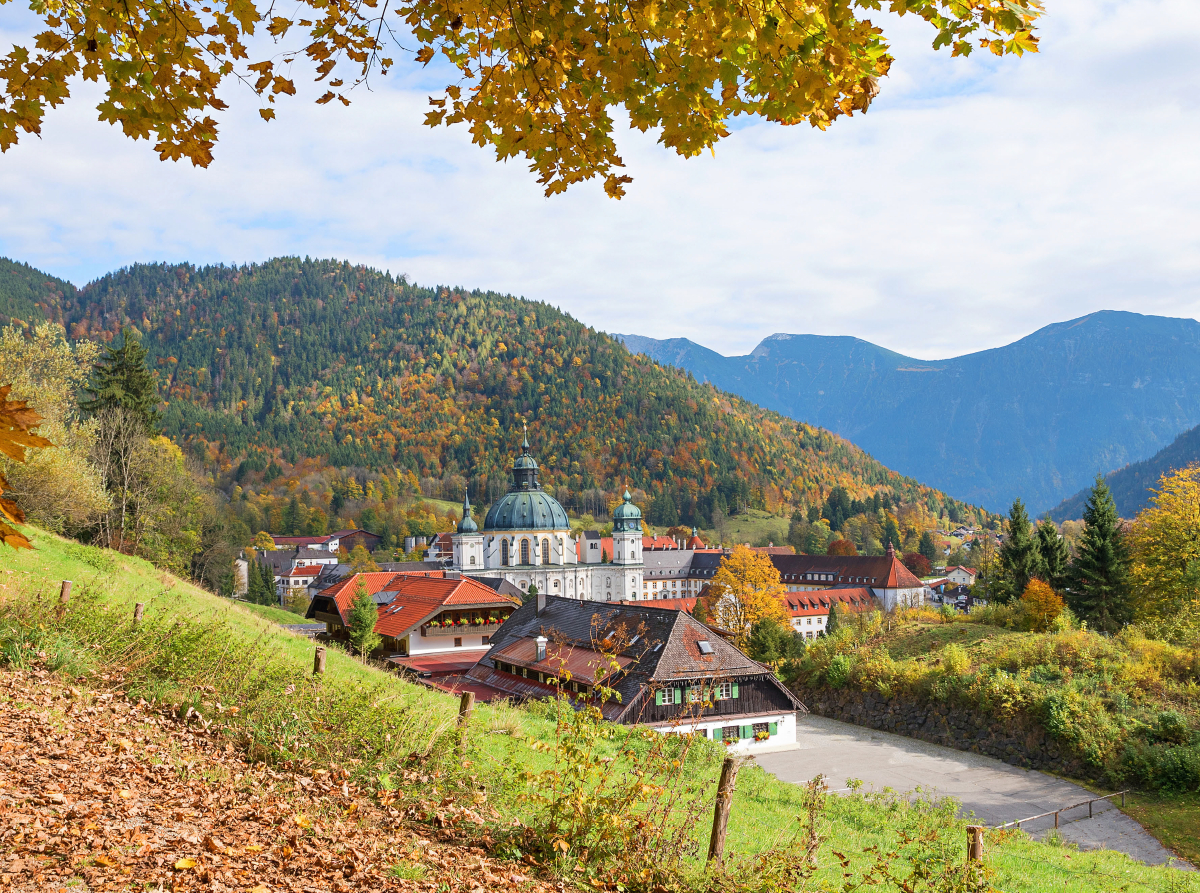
pixel 101 793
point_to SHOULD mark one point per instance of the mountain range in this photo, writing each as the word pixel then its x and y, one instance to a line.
pixel 1035 419
pixel 324 364
pixel 1131 485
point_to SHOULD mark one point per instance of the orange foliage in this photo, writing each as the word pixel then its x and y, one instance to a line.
pixel 1042 605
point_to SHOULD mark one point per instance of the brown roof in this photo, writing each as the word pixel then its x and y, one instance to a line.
pixel 581 662
pixel 876 571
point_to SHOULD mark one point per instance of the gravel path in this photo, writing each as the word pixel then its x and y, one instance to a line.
pixel 993 791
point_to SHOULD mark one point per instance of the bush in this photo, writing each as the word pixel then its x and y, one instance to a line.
pixel 1040 606
pixel 1173 728
pixel 1081 722
pixel 955 660
pixel 838 673
pixel 1161 767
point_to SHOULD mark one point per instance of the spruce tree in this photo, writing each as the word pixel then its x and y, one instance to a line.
pixel 1052 551
pixel 834 623
pixel 364 614
pixel 268 594
pixel 928 548
pixel 121 379
pixel 253 581
pixel 1099 575
pixel 1019 558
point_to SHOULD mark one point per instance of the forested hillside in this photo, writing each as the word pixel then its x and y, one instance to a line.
pixel 1131 485
pixel 276 370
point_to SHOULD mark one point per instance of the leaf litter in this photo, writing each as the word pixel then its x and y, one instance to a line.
pixel 99 792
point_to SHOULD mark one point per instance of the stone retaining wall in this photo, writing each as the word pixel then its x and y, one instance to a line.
pixel 1019 740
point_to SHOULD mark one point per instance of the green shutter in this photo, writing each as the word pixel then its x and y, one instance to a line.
pixel 747 731
pixel 772 728
pixel 658 698
pixel 734 690
pixel 679 696
pixel 717 734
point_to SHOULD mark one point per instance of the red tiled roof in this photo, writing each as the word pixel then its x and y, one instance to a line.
pixel 300 540
pixel 876 571
pixel 669 604
pixel 308 570
pixel 418 597
pixel 695 543
pixel 659 542
pixel 811 604
pixel 959 567
pixel 440 664
pixel 773 550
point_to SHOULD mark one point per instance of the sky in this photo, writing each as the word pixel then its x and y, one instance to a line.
pixel 978 200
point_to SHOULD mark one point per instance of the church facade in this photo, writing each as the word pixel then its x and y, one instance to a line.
pixel 526 539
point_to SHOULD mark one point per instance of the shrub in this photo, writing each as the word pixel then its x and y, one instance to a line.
pixel 955 660
pixel 1173 728
pixel 1040 605
pixel 838 673
pixel 1161 767
pixel 1082 723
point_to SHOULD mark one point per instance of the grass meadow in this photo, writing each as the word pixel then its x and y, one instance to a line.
pixel 240 671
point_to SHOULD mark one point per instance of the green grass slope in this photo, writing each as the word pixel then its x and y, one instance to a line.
pixel 252 681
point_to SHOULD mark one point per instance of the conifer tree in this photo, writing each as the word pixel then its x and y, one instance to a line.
pixel 1099 575
pixel 928 548
pixel 891 534
pixel 1053 554
pixel 834 623
pixel 363 616
pixel 121 379
pixel 253 582
pixel 1019 558
pixel 268 595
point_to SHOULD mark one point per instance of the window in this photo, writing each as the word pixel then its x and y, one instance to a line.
pixel 524 551
pixel 667 696
pixel 730 733
pixel 472 559
pixel 556 584
pixel 458 643
pixel 705 646
pixel 504 553
pixel 726 690
pixel 545 551
pixel 762 730
pixel 487 639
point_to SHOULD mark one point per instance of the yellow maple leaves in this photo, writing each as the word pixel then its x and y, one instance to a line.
pixel 16 422
pixel 537 78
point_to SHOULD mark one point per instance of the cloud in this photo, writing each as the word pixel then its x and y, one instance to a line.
pixel 978 200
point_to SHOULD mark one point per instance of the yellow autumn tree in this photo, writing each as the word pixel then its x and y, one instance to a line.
pixel 1041 605
pixel 745 589
pixel 528 78
pixel 1165 546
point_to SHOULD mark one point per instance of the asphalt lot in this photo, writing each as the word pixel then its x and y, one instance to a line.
pixel 993 791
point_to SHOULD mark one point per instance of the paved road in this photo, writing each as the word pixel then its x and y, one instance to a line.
pixel 994 791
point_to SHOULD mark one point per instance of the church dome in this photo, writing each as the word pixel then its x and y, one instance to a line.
pixel 627 516
pixel 526 506
pixel 526 510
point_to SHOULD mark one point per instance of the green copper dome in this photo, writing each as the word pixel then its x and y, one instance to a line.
pixel 526 506
pixel 627 516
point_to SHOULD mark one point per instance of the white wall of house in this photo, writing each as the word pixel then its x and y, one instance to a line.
pixel 785 734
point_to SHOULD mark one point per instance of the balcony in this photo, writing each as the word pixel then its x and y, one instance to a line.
pixel 463 629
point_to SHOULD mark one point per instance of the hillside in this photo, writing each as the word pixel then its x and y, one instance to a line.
pixel 1131 485
pixel 1036 419
pixel 299 362
pixel 226 765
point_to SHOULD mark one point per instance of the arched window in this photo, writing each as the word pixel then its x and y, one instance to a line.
pixel 504 553
pixel 524 551
pixel 472 559
pixel 545 551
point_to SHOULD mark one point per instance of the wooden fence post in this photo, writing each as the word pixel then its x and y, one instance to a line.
pixel 465 705
pixel 64 594
pixel 974 843
pixel 319 661
pixel 725 787
pixel 138 610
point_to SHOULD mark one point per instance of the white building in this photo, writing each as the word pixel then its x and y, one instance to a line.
pixel 526 540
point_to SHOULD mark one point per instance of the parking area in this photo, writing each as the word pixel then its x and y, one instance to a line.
pixel 993 791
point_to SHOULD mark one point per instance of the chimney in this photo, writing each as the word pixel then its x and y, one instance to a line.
pixel 541 603
pixel 541 647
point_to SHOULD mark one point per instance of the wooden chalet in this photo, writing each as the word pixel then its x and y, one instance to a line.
pixel 669 671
